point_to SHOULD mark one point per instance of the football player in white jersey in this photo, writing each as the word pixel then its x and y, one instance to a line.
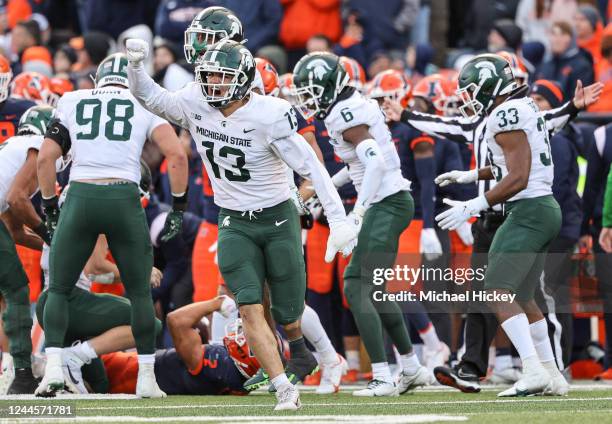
pixel 209 26
pixel 384 208
pixel 17 184
pixel 246 140
pixel 521 163
pixel 106 128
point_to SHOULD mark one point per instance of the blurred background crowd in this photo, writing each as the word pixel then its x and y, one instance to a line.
pixel 54 46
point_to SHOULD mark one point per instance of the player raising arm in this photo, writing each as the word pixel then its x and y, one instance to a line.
pixel 244 139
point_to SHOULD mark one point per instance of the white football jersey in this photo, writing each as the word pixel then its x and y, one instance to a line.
pixel 108 128
pixel 356 110
pixel 83 282
pixel 522 115
pixel 244 170
pixel 13 154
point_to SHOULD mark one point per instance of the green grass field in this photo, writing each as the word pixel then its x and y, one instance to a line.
pixel 586 404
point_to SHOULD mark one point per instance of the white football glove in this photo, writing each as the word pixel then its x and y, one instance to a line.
pixel 460 212
pixel 228 306
pixel 137 50
pixel 355 217
pixel 464 231
pixel 297 200
pixel 342 238
pixel 459 177
pixel 430 244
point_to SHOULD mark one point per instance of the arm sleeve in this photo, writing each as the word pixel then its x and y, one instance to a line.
pixel 460 130
pixel 557 118
pixel 607 210
pixel 155 98
pixel 371 156
pixel 300 157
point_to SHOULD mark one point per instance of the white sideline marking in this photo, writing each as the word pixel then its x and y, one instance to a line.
pixel 313 419
pixel 417 403
pixel 70 396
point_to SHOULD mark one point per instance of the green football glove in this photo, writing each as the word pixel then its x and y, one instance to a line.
pixel 51 211
pixel 172 227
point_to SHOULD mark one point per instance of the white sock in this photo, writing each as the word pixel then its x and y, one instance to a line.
pixel 352 358
pixel 539 334
pixel 430 337
pixel 315 333
pixel 410 363
pixel 517 329
pixel 280 380
pixel 219 322
pixel 146 359
pixel 381 371
pixel 503 362
pixel 85 352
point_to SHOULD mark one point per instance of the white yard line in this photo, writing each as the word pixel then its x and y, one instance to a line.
pixel 310 419
pixel 364 403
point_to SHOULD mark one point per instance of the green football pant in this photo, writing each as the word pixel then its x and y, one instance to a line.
pixel 264 246
pixel 90 210
pixel 377 246
pixel 92 314
pixel 14 288
pixel 518 251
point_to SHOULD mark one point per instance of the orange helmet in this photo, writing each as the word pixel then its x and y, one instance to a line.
pixel 269 76
pixel 285 83
pixel 59 86
pixel 357 77
pixel 453 101
pixel 390 84
pixel 6 74
pixel 32 86
pixel 436 89
pixel 236 345
pixel 518 68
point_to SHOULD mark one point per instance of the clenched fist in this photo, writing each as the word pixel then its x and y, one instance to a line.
pixel 137 50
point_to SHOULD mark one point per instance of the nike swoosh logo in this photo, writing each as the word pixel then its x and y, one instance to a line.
pixel 247 131
pixel 466 375
pixel 278 224
pixel 74 380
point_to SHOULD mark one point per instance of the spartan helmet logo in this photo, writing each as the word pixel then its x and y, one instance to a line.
pixel 318 68
pixel 487 70
pixel 235 28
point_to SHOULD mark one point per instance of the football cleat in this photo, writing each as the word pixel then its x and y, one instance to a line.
pixel 24 382
pixel 146 385
pixel 331 374
pixel 260 379
pixel 351 377
pixel 313 380
pixel 533 381
pixel 436 358
pixel 53 380
pixel 71 366
pixel 378 388
pixel 458 377
pixel 408 382
pixel 558 386
pixel 288 398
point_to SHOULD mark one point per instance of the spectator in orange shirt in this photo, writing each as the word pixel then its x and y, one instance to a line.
pixel 304 18
pixel 589 30
pixel 603 73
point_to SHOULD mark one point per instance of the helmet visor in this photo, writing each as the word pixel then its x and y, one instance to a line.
pixel 198 39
